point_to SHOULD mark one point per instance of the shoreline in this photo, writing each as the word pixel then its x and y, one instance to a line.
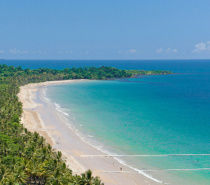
pixel 43 118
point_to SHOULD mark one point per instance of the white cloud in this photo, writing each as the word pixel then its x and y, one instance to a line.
pixel 14 51
pixel 1 51
pixel 17 51
pixel 129 52
pixel 201 47
pixel 168 50
pixel 132 51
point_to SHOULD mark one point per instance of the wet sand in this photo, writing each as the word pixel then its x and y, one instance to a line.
pixel 42 117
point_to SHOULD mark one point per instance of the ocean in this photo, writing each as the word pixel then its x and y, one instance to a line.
pixel 148 116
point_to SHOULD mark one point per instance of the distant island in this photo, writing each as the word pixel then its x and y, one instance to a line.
pixel 25 157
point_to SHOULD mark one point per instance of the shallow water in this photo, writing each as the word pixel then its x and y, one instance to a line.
pixel 149 115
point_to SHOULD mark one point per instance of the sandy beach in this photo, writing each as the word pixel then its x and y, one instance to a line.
pixel 43 118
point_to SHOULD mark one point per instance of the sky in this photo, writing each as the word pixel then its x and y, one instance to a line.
pixel 104 29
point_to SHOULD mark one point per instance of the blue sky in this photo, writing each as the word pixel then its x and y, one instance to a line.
pixel 105 29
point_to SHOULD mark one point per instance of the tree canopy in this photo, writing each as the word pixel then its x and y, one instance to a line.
pixel 25 157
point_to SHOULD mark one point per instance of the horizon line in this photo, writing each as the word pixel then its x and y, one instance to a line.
pixel 103 59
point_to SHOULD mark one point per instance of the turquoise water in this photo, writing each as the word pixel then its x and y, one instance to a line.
pixel 150 115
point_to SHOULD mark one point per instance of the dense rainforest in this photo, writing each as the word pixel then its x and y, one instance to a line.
pixel 25 157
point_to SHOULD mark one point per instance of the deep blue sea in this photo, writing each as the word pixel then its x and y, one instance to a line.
pixel 148 115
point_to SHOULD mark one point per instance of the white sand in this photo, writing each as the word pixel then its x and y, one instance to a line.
pixel 44 119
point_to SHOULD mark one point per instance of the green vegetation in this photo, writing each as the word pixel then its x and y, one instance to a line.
pixel 143 72
pixel 46 74
pixel 25 157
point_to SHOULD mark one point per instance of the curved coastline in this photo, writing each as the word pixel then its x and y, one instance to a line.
pixel 43 118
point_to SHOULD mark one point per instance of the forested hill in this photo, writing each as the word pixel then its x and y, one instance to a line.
pixel 25 157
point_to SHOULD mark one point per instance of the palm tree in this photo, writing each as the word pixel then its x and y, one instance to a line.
pixel 25 158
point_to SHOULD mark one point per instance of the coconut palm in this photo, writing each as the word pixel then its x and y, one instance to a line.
pixel 25 157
